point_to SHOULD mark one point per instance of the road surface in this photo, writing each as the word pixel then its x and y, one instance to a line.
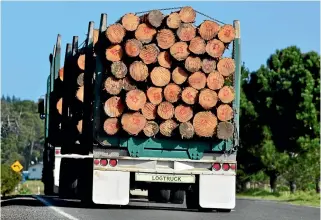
pixel 53 208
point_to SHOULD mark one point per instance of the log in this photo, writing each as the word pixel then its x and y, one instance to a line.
pixel 119 69
pixel 138 71
pixel 226 33
pixel 128 84
pixel 61 74
pixel 186 32
pixel 226 66
pixel 197 80
pixel 149 111
pixel 114 107
pixel 95 36
pixel 145 33
pixel 173 21
pixel 193 64
pixel 167 127
pixel 226 94
pixel 225 130
pixel 155 95
pixel 135 99
pixel 197 45
pixel 80 79
pixel 215 80
pixel 172 92
pixel 208 65
pixel 115 33
pixel 81 62
pixel 114 53
pixel 187 14
pixel 149 53
pixel 165 110
pixel 215 48
pixel 224 112
pixel 179 51
pixel 133 47
pixel 59 106
pixel 165 38
pixel 80 93
pixel 79 126
pixel 208 29
pixel 160 76
pixel 186 130
pixel 189 95
pixel 111 126
pixel 130 21
pixel 113 86
pixel 207 99
pixel 183 113
pixel 154 18
pixel 164 59
pixel 133 123
pixel 179 75
pixel 205 123
pixel 151 129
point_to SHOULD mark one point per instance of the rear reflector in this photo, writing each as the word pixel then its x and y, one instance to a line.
pixel 103 162
pixel 233 166
pixel 226 166
pixel 216 166
pixel 96 162
pixel 57 152
pixel 112 162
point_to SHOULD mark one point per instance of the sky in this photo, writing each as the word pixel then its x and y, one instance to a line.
pixel 29 31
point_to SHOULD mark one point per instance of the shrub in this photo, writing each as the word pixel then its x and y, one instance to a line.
pixel 9 179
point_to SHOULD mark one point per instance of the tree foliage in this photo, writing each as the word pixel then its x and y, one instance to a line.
pixel 9 179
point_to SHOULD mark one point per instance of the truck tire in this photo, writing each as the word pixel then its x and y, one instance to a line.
pixel 177 196
pixel 165 195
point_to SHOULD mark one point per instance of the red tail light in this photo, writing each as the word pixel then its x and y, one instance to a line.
pixel 57 151
pixel 96 162
pixel 216 166
pixel 233 166
pixel 113 162
pixel 226 166
pixel 103 162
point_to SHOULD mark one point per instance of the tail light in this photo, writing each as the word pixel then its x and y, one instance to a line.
pixel 113 162
pixel 216 166
pixel 103 162
pixel 226 166
pixel 96 162
pixel 233 166
pixel 57 151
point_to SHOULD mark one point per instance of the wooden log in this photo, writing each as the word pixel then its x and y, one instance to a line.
pixel 179 50
pixel 79 126
pixel 160 76
pixel 197 45
pixel 215 48
pixel 128 84
pixel 113 86
pixel 95 36
pixel 189 95
pixel 80 79
pixel 61 74
pixel 187 14
pixel 197 80
pixel 207 99
pixel 133 47
pixel 114 107
pixel 186 130
pixel 138 71
pixel 226 66
pixel 186 32
pixel 172 92
pixel 226 33
pixel 183 113
pixel 208 65
pixel 133 123
pixel 80 93
pixel 208 29
pixel 173 21
pixel 81 62
pixel 130 21
pixel 155 95
pixel 154 18
pixel 165 110
pixel 167 127
pixel 179 75
pixel 119 69
pixel 205 123
pixel 135 99
pixel 145 33
pixel 149 111
pixel 114 53
pixel 151 129
pixel 215 80
pixel 59 106
pixel 226 94
pixel 225 130
pixel 149 53
pixel 165 38
pixel 111 126
pixel 164 59
pixel 224 112
pixel 115 33
pixel 193 64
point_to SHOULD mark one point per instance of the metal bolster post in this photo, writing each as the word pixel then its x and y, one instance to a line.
pixel 57 57
pixel 50 85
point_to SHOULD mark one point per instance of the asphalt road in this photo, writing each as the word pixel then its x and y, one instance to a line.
pixel 50 208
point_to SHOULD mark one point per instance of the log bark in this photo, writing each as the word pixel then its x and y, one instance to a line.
pixel 186 130
pixel 114 107
pixel 154 18
pixel 165 110
pixel 164 59
pixel 160 76
pixel 114 53
pixel 165 39
pixel 59 106
pixel 226 94
pixel 151 129
pixel 193 64
pixel 133 47
pixel 179 51
pixel 197 80
pixel 145 33
pixel 204 124
pixel 81 62
pixel 111 126
pixel 215 48
pixel 186 32
pixel 119 69
pixel 113 86
pixel 167 127
pixel 79 126
pixel 128 84
pixel 226 66
pixel 133 123
pixel 226 33
pixel 215 80
pixel 172 92
pixel 207 99
pixel 138 71
pixel 173 21
pixel 197 45
pixel 224 112
pixel 189 95
pixel 149 111
pixel 115 33
pixel 80 94
pixel 130 21
pixel 135 99
pixel 225 130
pixel 149 53
pixel 179 75
pixel 187 14
pixel 61 74
pixel 155 95
pixel 183 113
pixel 208 30
pixel 80 79
pixel 208 65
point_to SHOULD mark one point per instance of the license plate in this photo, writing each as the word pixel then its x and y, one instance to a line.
pixel 167 178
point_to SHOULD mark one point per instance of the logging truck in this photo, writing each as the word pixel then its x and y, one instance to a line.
pixel 150 102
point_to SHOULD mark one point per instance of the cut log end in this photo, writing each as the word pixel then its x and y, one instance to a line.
pixel 186 130
pixel 183 113
pixel 135 99
pixel 95 36
pixel 173 20
pixel 204 124
pixel 149 111
pixel 215 48
pixel 115 33
pixel 155 95
pixel 111 126
pixel 133 123
pixel 179 75
pixel 187 14
pixel 165 38
pixel 197 80
pixel 80 93
pixel 226 94
pixel 114 107
pixel 224 112
pixel 128 84
pixel 138 71
pixel 113 86
pixel 226 33
pixel 155 18
pixel 114 53
pixel 226 66
pixel 79 126
pixel 81 62
pixel 197 45
pixel 209 29
pixel 61 74
pixel 130 21
pixel 207 99
pixel 149 53
pixel 208 65
pixel 172 92
pixel 193 64
pixel 165 110
pixel 168 127
pixel 151 129
pixel 80 79
pixel 160 76
pixel 189 95
pixel 180 51
pixel 215 80
pixel 186 32
pixel 59 106
pixel 133 47
pixel 225 130
pixel 119 69
pixel 145 33
pixel 164 59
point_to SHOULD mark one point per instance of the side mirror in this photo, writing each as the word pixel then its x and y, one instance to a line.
pixel 41 108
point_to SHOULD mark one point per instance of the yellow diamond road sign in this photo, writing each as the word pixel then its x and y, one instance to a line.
pixel 16 166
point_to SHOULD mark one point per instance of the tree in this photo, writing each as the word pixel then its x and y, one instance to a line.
pixel 9 179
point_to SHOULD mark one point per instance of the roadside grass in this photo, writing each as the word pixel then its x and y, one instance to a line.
pixel 310 198
pixel 30 187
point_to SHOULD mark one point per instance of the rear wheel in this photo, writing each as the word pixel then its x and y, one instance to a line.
pixel 165 195
pixel 177 196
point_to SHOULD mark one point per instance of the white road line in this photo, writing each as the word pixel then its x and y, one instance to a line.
pixel 45 202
